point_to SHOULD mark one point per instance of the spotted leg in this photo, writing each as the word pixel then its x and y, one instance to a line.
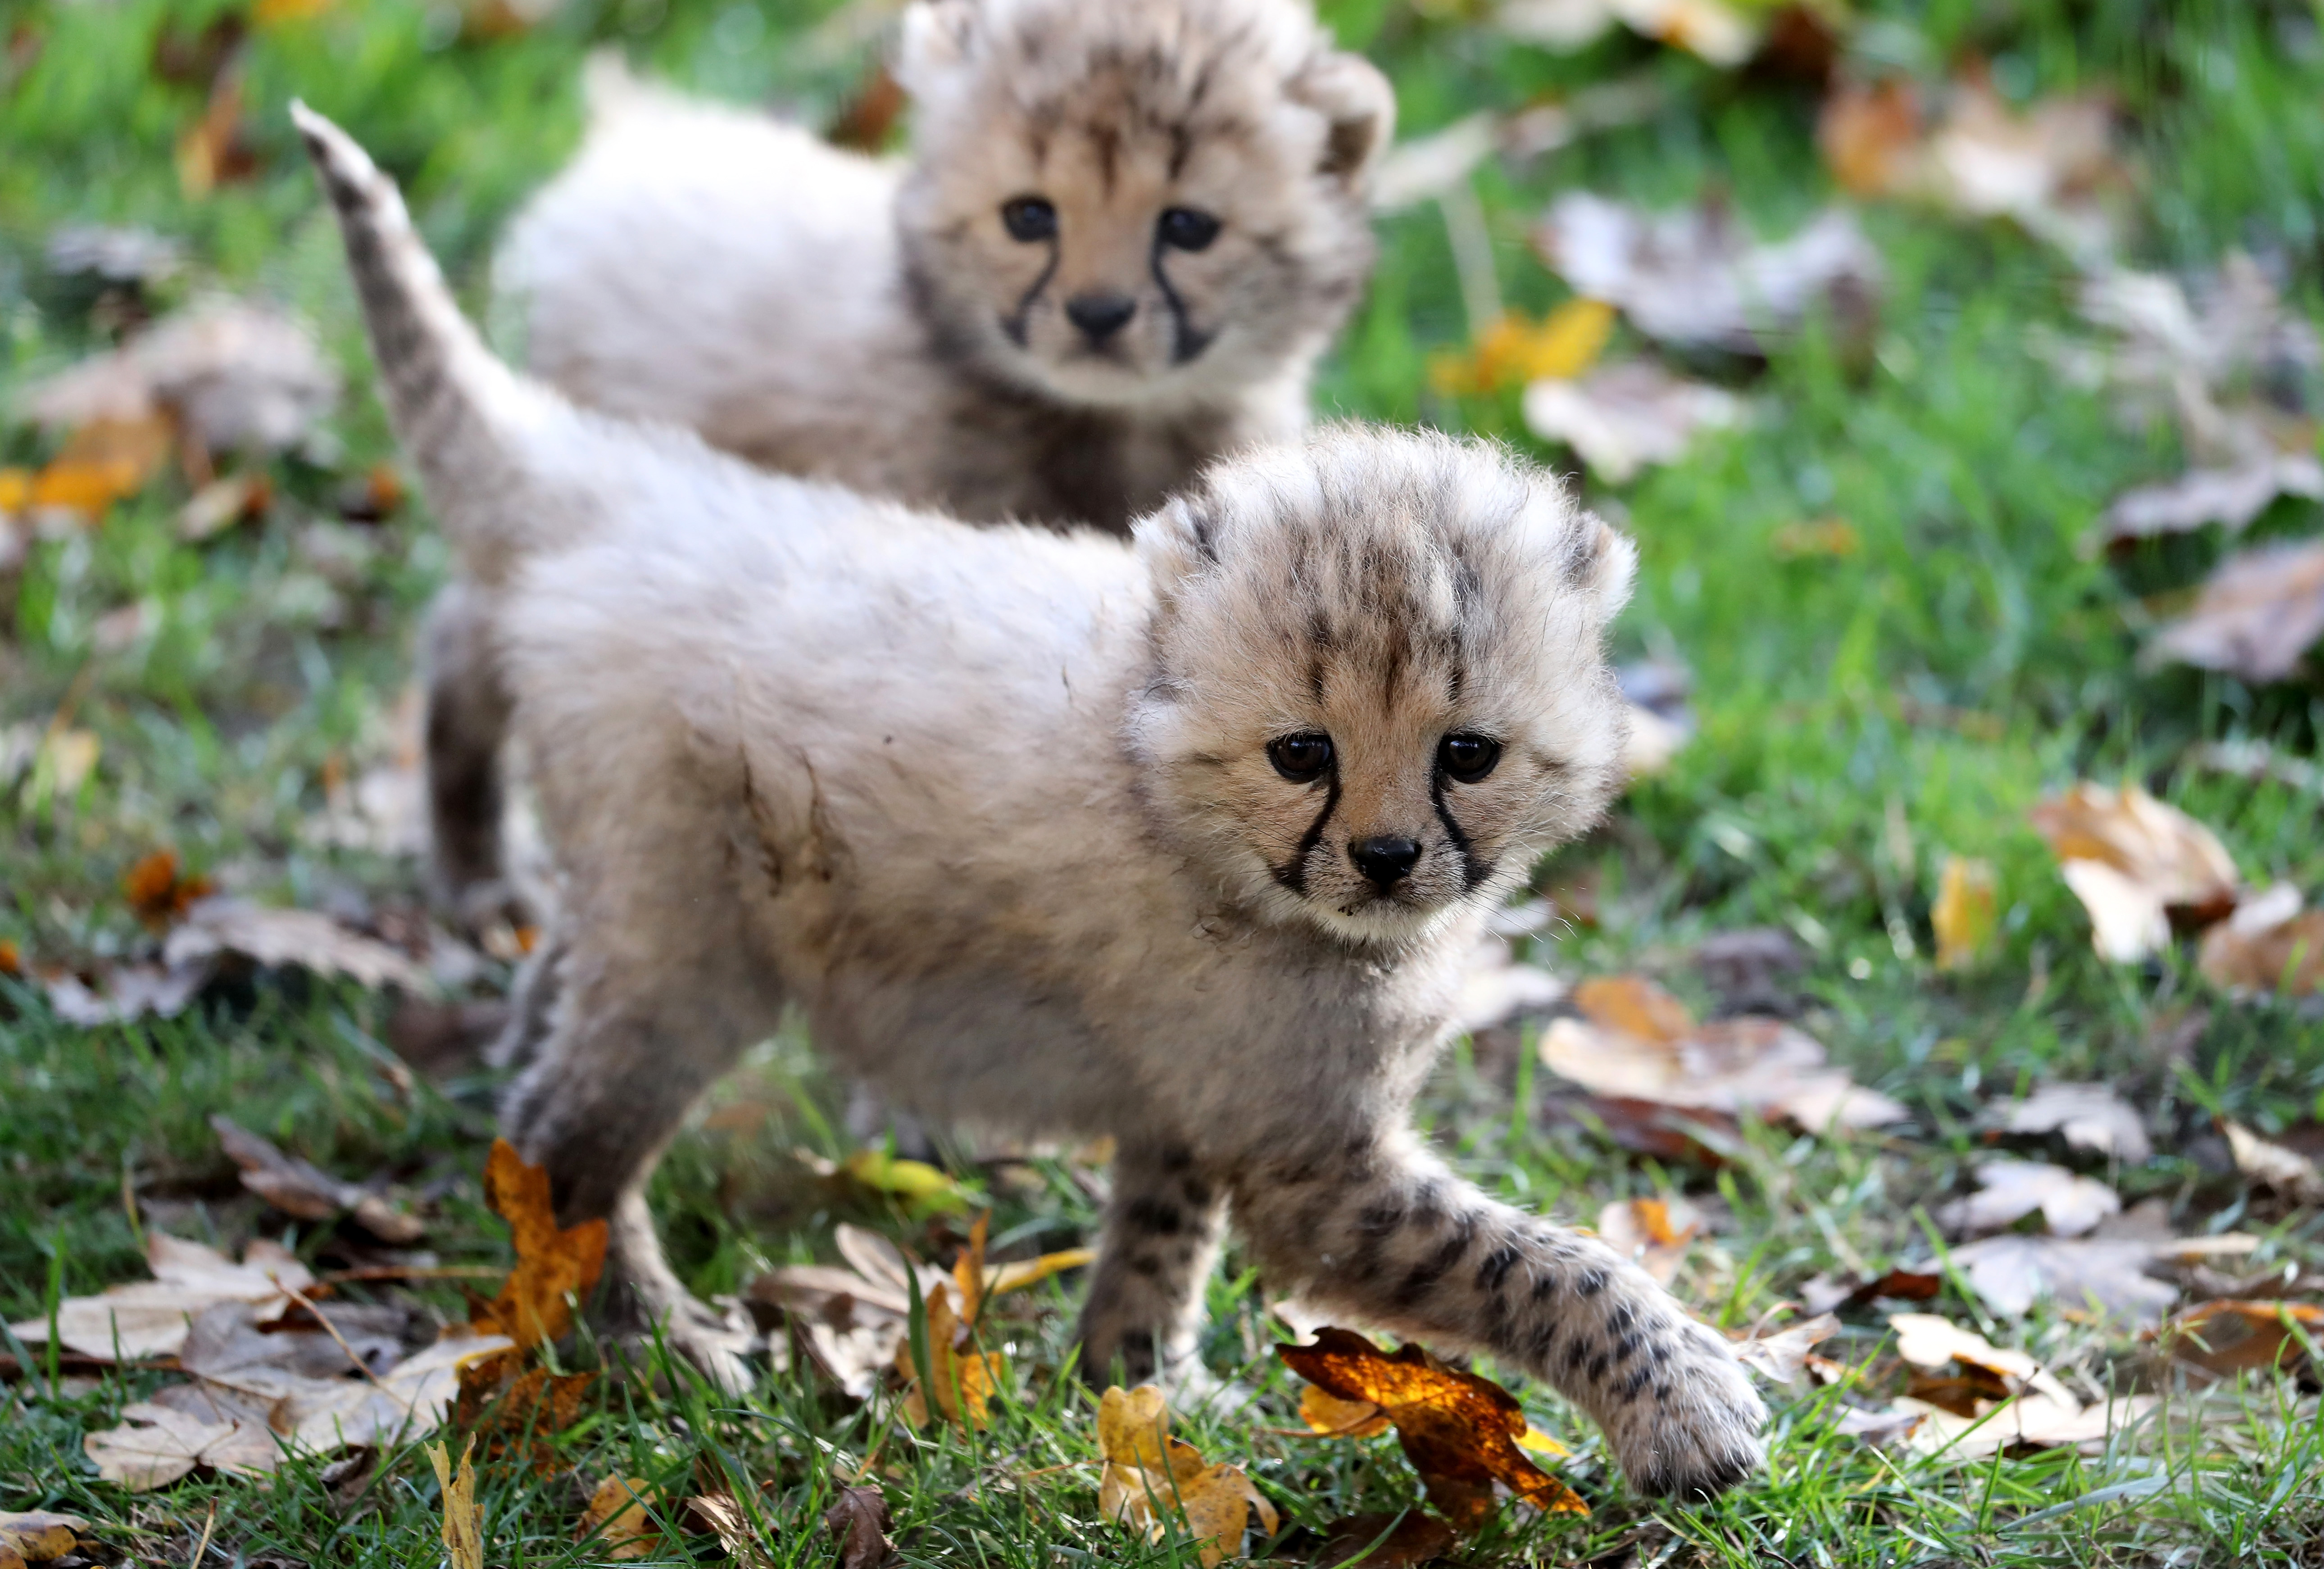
pixel 1160 1238
pixel 1377 1229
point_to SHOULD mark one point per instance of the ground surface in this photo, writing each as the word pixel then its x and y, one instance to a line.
pixel 1861 717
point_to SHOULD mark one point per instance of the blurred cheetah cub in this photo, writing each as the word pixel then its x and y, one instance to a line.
pixel 1127 230
pixel 1181 841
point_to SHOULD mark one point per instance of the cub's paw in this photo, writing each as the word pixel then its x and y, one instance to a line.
pixel 1690 1428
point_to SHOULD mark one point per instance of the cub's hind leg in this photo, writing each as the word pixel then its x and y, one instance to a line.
pixel 1378 1230
pixel 468 708
pixel 1160 1238
pixel 633 1044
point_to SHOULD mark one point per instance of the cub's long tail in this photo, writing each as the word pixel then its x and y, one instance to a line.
pixel 465 420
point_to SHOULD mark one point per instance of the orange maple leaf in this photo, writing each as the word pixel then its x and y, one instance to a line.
pixel 553 1266
pixel 1460 1431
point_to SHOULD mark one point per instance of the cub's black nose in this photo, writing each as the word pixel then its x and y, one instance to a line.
pixel 1384 860
pixel 1100 315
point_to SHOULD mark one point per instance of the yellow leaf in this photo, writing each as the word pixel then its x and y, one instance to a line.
pixel 464 1537
pixel 278 13
pixel 1001 1277
pixel 618 1509
pixel 916 1182
pixel 1963 914
pixel 103 462
pixel 1333 1417
pixel 1140 1486
pixel 963 1376
pixel 968 1270
pixel 1541 1443
pixel 1516 349
pixel 66 759
pixel 553 1268
pixel 15 489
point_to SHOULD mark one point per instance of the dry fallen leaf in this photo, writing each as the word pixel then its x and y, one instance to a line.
pixel 1333 1418
pixel 859 1518
pixel 2089 1116
pixel 920 1188
pixel 1517 349
pixel 1722 34
pixel 2258 613
pixel 962 1377
pixel 552 1265
pixel 2010 1272
pixel 617 1514
pixel 156 1445
pixel 1825 1294
pixel 233 376
pixel 38 1537
pixel 2270 944
pixel 2047 167
pixel 1622 418
pixel 150 1318
pixel 2135 863
pixel 2010 1190
pixel 1964 915
pixel 1150 1478
pixel 1638 1043
pixel 270 936
pixel 464 1537
pixel 2230 495
pixel 1781 1354
pixel 2235 1336
pixel 854 1319
pixel 1695 278
pixel 722 1515
pixel 224 502
pixel 2287 1172
pixel 298 1188
pixel 124 992
pixel 107 458
pixel 2030 1421
pixel 1460 1431
pixel 1821 536
pixel 1652 1231
pixel 157 892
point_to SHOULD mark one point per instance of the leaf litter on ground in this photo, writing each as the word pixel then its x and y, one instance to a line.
pixel 1635 1042
pixel 2087 1116
pixel 299 1188
pixel 1462 1433
pixel 1151 1480
pixel 2137 865
pixel 2256 615
pixel 2009 1190
pixel 1695 279
pixel 309 1385
pixel 1624 416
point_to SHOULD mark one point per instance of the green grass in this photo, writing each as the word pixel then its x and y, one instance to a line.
pixel 1861 719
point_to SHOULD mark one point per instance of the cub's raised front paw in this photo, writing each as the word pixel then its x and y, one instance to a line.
pixel 1693 1428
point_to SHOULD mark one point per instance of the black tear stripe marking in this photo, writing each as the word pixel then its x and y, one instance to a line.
pixel 1013 324
pixel 1185 341
pixel 1473 871
pixel 1293 874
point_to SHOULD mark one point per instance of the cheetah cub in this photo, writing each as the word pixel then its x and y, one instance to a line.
pixel 1180 840
pixel 1127 230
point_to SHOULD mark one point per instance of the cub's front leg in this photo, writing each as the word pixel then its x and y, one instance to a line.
pixel 1375 1228
pixel 1160 1238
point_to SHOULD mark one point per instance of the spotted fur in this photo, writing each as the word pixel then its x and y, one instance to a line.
pixel 995 809
pixel 826 314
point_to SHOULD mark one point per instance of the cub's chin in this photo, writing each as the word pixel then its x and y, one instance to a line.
pixel 1380 923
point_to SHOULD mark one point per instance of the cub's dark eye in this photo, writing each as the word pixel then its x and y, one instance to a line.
pixel 1183 228
pixel 1028 219
pixel 1300 758
pixel 1467 758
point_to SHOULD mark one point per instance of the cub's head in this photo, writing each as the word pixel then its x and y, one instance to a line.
pixel 1125 202
pixel 1379 688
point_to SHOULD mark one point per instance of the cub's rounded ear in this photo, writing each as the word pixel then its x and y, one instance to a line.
pixel 1613 565
pixel 938 38
pixel 1359 105
pixel 1177 541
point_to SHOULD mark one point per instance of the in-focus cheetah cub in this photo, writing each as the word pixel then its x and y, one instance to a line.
pixel 1181 842
pixel 1127 230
